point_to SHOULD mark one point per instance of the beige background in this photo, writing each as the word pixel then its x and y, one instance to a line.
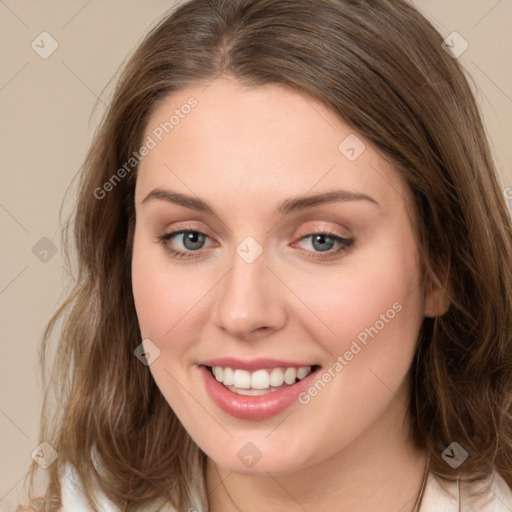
pixel 47 125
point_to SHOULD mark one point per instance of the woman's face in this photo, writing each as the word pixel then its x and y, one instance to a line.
pixel 299 257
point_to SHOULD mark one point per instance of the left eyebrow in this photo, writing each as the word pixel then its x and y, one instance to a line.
pixel 288 206
pixel 305 202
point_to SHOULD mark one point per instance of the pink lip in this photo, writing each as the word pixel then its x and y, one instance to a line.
pixel 253 364
pixel 253 407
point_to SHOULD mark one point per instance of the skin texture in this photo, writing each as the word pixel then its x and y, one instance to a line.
pixel 244 151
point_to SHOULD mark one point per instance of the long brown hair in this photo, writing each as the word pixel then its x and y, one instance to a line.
pixel 380 66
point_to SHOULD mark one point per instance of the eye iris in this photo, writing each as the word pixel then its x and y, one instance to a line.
pixel 194 237
pixel 322 239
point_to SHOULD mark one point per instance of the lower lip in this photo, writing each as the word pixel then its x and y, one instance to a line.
pixel 258 407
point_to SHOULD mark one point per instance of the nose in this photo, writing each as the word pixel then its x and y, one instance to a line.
pixel 250 303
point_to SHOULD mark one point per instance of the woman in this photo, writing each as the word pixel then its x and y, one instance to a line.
pixel 217 354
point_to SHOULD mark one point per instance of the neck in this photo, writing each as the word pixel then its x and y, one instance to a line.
pixel 380 470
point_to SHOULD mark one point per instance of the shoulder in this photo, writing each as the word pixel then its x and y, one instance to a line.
pixel 443 496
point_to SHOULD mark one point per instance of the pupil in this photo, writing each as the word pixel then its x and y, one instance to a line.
pixel 322 238
pixel 194 238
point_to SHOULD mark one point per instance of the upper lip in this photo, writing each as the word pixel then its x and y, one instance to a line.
pixel 252 364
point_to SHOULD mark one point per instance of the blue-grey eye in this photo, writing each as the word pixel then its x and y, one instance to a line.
pixel 192 240
pixel 319 242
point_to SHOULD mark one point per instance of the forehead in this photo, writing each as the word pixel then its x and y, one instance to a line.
pixel 265 141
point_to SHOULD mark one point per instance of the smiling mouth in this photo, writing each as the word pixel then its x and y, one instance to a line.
pixel 259 382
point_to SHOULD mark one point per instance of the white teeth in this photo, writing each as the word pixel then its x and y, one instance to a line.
pixel 218 372
pixel 228 377
pixel 302 372
pixel 260 379
pixel 290 375
pixel 276 377
pixel 242 379
pixel 256 382
pixel 248 392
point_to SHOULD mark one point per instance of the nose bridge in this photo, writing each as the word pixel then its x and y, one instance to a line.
pixel 248 296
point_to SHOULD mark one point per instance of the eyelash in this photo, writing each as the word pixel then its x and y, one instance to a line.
pixel 345 244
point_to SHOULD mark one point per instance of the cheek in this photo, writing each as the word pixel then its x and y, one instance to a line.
pixel 375 311
pixel 163 302
pixel 158 303
pixel 375 294
pixel 370 324
pixel 170 301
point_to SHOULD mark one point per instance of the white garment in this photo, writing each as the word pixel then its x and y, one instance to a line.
pixel 497 497
pixel 74 500
pixel 444 497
